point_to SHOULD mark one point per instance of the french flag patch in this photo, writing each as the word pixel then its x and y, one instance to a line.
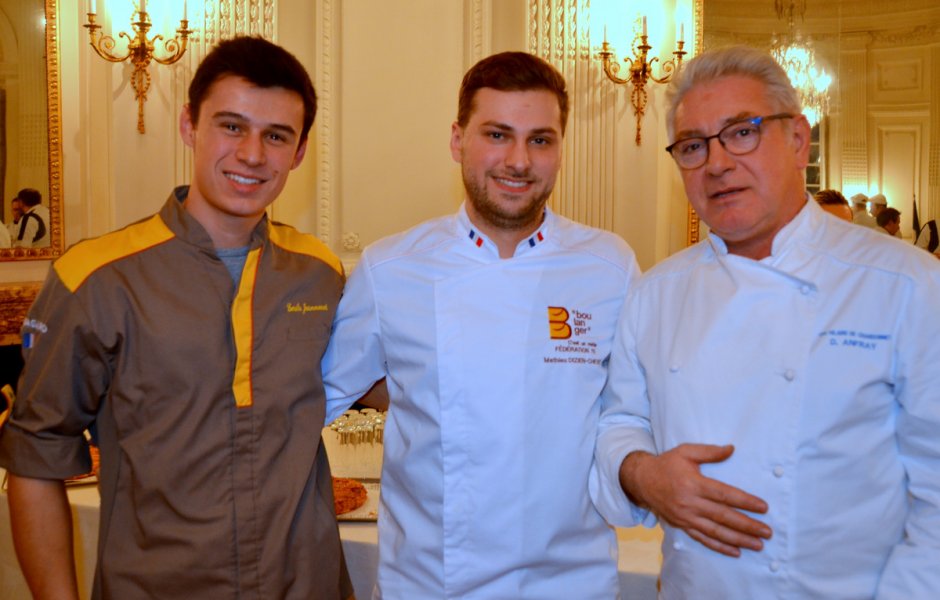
pixel 536 239
pixel 29 339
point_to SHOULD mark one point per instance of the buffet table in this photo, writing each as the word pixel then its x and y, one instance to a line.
pixel 639 552
pixel 355 451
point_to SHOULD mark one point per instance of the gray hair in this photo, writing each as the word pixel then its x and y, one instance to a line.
pixel 733 60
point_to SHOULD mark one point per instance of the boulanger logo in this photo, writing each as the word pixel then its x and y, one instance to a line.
pixel 570 329
pixel 562 323
pixel 558 327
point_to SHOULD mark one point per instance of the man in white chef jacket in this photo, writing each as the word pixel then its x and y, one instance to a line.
pixel 786 440
pixel 493 327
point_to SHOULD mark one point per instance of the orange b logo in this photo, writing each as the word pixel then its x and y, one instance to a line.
pixel 558 328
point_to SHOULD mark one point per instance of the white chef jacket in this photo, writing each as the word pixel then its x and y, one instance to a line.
pixel 32 227
pixel 491 430
pixel 863 217
pixel 5 240
pixel 821 364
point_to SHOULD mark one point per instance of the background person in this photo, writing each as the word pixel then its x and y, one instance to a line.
pixel 16 210
pixel 878 204
pixel 928 238
pixel 786 441
pixel 889 221
pixel 860 214
pixel 33 229
pixel 834 203
pixel 5 241
pixel 493 327
pixel 174 339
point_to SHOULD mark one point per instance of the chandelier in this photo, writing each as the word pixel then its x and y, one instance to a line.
pixel 797 57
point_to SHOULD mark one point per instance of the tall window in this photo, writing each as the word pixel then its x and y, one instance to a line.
pixel 815 173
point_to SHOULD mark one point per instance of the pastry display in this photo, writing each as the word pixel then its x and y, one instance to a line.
pixel 348 495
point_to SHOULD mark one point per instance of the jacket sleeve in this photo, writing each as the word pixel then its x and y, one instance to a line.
pixel 624 427
pixel 65 377
pixel 355 358
pixel 911 571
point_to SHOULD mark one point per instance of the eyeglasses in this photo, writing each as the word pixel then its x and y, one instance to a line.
pixel 738 138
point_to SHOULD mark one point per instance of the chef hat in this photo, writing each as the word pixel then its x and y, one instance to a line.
pixel 859 198
pixel 879 199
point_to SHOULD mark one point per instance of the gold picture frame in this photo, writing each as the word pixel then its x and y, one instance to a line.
pixel 54 133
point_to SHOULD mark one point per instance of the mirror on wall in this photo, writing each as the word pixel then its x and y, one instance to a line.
pixel 882 124
pixel 30 146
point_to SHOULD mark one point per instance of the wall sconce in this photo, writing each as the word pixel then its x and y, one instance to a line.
pixel 641 70
pixel 140 49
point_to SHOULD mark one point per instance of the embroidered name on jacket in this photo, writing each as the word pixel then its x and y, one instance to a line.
pixel 571 328
pixel 304 308
pixel 854 339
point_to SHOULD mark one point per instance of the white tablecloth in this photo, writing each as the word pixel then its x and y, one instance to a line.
pixel 639 552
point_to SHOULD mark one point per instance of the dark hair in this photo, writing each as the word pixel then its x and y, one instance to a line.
pixel 511 72
pixel 830 197
pixel 29 196
pixel 263 64
pixel 888 215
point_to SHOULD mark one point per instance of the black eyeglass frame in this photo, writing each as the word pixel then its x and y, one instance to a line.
pixel 756 121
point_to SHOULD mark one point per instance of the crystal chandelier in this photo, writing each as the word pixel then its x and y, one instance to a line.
pixel 798 59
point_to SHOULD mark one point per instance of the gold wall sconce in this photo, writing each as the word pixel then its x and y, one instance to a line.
pixel 640 70
pixel 140 49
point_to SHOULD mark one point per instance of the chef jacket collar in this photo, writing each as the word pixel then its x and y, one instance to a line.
pixel 185 226
pixel 798 227
pixel 475 237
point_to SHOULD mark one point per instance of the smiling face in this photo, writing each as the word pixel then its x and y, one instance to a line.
pixel 744 199
pixel 245 144
pixel 510 152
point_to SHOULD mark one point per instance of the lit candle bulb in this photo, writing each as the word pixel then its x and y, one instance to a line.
pixel 644 26
pixel 681 31
pixel 92 8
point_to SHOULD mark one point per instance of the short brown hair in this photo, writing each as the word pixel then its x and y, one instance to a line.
pixel 830 197
pixel 262 64
pixel 888 215
pixel 511 72
pixel 29 197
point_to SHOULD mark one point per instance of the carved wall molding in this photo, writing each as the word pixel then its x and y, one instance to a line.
pixel 327 31
pixel 352 242
pixel 477 30
pixel 914 36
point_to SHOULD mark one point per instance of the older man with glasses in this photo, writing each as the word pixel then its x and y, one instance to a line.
pixel 785 439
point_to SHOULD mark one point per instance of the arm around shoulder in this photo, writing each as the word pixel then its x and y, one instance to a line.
pixel 354 360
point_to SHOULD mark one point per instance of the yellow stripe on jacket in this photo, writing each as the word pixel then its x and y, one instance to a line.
pixel 292 240
pixel 243 326
pixel 86 257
